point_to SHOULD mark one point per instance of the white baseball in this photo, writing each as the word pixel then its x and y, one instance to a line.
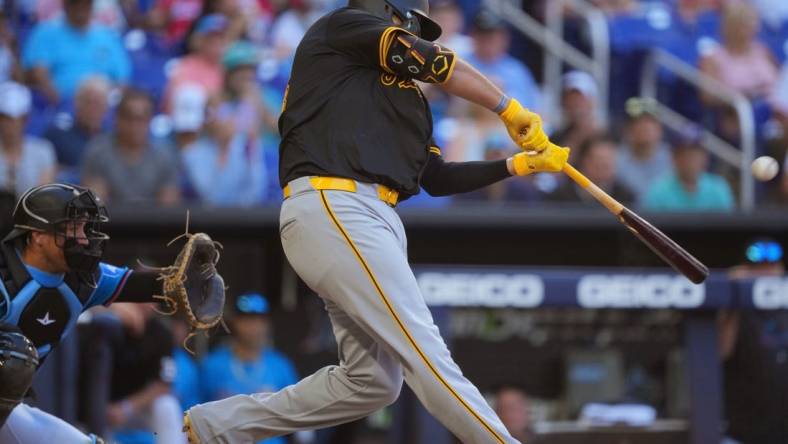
pixel 765 168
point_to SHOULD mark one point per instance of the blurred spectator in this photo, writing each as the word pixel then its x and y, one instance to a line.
pixel 514 408
pixel 123 167
pixel 25 161
pixel 516 189
pixel 224 166
pixel 644 156
pixel 753 345
pixel 741 62
pixel 596 159
pixel 107 13
pixel 248 363
pixel 175 17
pixel 578 110
pixel 247 19
pixel 471 132
pixel 186 384
pixel 71 136
pixel 59 54
pixel 491 41
pixel 290 26
pixel 130 349
pixel 451 20
pixel 689 187
pixel 203 65
pixel 188 115
pixel 242 101
pixel 9 64
pixel 188 118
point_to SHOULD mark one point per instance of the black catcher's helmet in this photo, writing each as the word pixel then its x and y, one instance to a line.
pixel 61 209
pixel 413 13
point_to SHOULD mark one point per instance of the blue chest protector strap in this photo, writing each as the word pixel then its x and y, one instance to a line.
pixel 44 314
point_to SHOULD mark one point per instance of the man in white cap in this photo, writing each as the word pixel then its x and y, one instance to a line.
pixel 25 161
pixel 188 114
pixel 579 119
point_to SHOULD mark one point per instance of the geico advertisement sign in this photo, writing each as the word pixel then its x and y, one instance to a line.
pixel 481 289
pixel 770 293
pixel 636 291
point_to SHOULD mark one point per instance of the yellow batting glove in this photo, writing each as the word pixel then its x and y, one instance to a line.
pixel 551 160
pixel 524 126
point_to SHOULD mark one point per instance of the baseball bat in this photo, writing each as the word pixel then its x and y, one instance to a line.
pixel 657 241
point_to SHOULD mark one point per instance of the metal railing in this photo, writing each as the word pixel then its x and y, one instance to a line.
pixel 741 157
pixel 557 51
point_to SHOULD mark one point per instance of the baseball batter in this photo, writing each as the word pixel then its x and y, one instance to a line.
pixel 356 140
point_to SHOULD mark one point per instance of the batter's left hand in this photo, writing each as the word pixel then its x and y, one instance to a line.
pixel 550 160
pixel 524 127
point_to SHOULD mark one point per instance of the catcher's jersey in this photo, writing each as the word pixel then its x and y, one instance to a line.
pixel 344 116
pixel 46 306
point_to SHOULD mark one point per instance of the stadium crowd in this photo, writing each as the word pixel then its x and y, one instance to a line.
pixel 181 99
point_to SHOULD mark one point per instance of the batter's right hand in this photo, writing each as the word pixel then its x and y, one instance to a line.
pixel 524 127
pixel 550 160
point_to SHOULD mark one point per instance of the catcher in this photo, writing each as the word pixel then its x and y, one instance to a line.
pixel 51 271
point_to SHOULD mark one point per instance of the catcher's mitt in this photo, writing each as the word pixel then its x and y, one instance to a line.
pixel 192 286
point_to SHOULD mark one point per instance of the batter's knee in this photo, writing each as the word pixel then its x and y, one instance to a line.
pixel 383 389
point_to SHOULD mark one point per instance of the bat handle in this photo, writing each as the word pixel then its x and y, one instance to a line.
pixel 605 199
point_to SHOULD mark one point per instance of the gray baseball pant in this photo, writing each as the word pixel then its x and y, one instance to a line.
pixel 350 248
pixel 29 425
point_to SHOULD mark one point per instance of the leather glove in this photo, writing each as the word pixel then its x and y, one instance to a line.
pixel 550 160
pixel 524 127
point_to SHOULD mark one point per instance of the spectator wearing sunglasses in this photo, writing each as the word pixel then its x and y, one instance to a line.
pixel 247 363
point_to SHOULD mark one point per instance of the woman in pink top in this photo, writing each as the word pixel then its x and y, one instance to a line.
pixel 203 65
pixel 741 62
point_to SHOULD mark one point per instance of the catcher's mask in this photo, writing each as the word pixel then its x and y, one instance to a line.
pixel 74 215
pixel 414 15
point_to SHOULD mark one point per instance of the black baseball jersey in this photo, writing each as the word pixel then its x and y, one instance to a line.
pixel 345 116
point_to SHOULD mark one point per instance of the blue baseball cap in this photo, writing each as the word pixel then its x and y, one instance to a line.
pixel 211 23
pixel 251 304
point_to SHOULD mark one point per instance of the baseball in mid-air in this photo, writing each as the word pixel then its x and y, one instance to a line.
pixel 765 168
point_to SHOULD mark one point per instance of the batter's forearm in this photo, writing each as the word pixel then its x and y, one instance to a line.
pixel 445 178
pixel 471 85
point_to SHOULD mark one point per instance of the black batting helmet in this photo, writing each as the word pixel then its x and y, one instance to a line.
pixel 60 209
pixel 413 13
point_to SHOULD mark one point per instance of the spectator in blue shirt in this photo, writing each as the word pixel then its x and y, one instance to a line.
pixel 186 384
pixel 224 167
pixel 643 155
pixel 60 53
pixel 689 187
pixel 490 56
pixel 248 363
